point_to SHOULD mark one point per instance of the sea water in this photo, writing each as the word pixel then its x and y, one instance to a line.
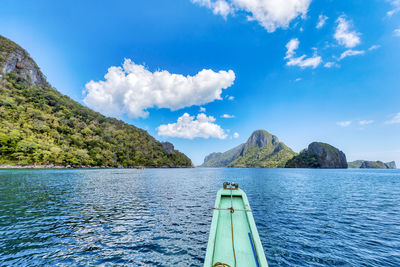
pixel 162 217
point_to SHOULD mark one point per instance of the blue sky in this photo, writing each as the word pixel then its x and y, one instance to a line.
pixel 229 57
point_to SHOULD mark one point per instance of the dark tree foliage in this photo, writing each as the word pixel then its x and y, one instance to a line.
pixel 304 160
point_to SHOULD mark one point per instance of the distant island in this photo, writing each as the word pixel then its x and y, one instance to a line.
pixel 41 127
pixel 264 150
pixel 365 164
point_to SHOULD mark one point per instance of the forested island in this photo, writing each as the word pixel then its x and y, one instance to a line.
pixel 40 126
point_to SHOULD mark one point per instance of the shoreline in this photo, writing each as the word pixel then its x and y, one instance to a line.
pixel 53 166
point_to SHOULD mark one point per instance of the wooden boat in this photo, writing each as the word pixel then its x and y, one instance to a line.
pixel 234 239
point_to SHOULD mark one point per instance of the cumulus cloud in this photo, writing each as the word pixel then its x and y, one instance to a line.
pixel 190 127
pixel 133 89
pixel 396 32
pixel 343 123
pixel 230 97
pixel 236 135
pixel 302 61
pixel 344 35
pixel 202 109
pixel 394 120
pixel 227 116
pixel 271 14
pixel 321 21
pixel 365 122
pixel 349 53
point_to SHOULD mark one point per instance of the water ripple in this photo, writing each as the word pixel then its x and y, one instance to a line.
pixel 162 217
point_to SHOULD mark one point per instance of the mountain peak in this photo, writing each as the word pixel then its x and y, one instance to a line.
pixel 260 138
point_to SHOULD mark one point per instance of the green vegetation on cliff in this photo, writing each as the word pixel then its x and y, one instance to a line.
pixel 365 164
pixel 318 155
pixel 355 164
pixel 262 150
pixel 219 159
pixel 38 125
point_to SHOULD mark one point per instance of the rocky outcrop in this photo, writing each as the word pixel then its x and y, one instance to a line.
pixel 168 147
pixel 391 164
pixel 262 150
pixel 16 60
pixel 319 155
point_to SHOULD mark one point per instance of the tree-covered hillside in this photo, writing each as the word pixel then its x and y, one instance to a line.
pixel 262 150
pixel 38 125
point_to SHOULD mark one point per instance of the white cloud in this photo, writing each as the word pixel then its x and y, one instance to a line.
pixel 396 32
pixel 230 97
pixel 394 120
pixel 298 80
pixel 219 7
pixel 365 122
pixel 343 123
pixel 349 53
pixel 133 89
pixel 291 47
pixel 236 135
pixel 373 47
pixel 330 64
pixel 227 116
pixel 344 35
pixel 396 7
pixel 189 127
pixel 301 61
pixel 271 14
pixel 321 21
pixel 202 109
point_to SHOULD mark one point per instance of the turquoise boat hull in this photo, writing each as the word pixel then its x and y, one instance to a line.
pixel 248 248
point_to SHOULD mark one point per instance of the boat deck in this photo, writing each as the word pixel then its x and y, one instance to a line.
pixel 241 229
pixel 248 251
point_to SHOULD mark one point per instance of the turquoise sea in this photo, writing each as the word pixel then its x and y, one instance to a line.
pixel 161 217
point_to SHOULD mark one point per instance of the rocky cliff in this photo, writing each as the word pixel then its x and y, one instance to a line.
pixel 40 126
pixel 391 164
pixel 319 155
pixel 14 59
pixel 262 150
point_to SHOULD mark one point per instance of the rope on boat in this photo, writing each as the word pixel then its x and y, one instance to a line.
pixel 233 242
pixel 231 211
